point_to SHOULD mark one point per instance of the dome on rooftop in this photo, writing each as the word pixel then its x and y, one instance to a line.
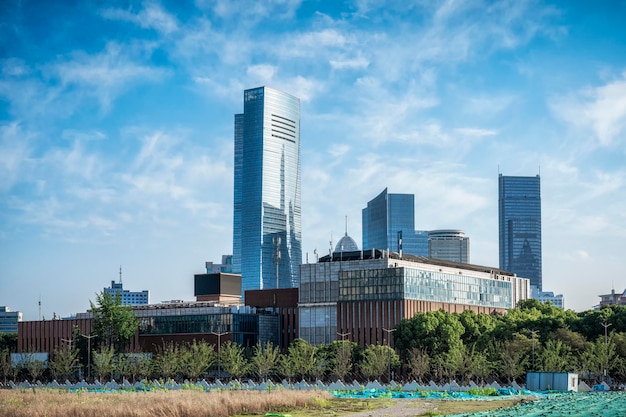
pixel 346 244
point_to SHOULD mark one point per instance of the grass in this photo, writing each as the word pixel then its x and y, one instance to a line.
pixel 191 403
pixel 57 403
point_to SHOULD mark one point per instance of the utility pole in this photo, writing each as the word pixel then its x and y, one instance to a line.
pixel 389 331
pixel 606 345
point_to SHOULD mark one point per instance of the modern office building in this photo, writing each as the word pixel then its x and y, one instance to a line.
pixel 360 294
pixel 128 297
pixel 449 245
pixel 389 224
pixel 267 236
pixel 519 215
pixel 9 320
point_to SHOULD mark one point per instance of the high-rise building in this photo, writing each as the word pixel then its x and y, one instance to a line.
pixel 267 231
pixel 389 224
pixel 519 214
pixel 449 245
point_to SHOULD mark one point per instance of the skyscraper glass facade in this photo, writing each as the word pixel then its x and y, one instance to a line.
pixel 267 236
pixel 385 217
pixel 519 213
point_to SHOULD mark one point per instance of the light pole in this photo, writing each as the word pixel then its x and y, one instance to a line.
pixel 606 345
pixel 534 332
pixel 88 353
pixel 219 344
pixel 343 335
pixel 389 331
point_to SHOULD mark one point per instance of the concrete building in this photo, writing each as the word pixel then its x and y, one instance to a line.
pixel 519 217
pixel 9 320
pixel 360 294
pixel 449 245
pixel 128 298
pixel 612 299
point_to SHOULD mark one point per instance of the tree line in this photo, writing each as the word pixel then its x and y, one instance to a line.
pixel 429 346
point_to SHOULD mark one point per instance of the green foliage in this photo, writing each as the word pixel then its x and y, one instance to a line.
pixel 8 341
pixel 63 362
pixel 377 360
pixel 199 357
pixel 114 323
pixel 265 359
pixel 418 362
pixel 102 362
pixel 170 360
pixel 301 360
pixel 234 360
pixel 341 359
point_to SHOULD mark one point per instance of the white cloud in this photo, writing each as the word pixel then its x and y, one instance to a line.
pixel 475 132
pixel 105 75
pixel 15 148
pixel 600 110
pixel 152 16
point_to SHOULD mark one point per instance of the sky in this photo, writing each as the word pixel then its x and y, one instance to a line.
pixel 116 132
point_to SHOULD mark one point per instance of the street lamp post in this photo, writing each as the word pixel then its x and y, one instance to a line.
pixel 606 345
pixel 89 353
pixel 343 335
pixel 219 344
pixel 389 331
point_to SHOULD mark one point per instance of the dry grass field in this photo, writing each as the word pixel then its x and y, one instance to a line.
pixel 52 403
pixel 189 403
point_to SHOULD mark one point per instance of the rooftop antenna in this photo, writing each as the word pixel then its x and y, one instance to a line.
pixel 346 225
pixel 39 307
pixel 120 274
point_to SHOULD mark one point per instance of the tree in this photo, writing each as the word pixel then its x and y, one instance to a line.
pixel 265 359
pixel 233 359
pixel 377 359
pixel 133 365
pixel 301 359
pixel 114 323
pixel 7 369
pixel 418 363
pixel 102 362
pixel 200 358
pixel 342 358
pixel 64 361
pixel 34 366
pixel 170 360
pixel 514 356
pixel 556 357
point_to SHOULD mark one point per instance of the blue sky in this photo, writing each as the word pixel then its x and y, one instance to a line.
pixel 116 127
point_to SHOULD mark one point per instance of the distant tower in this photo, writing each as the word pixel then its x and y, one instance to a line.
pixel 385 216
pixel 449 245
pixel 267 235
pixel 519 216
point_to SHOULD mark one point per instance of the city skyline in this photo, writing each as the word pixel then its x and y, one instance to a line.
pixel 116 132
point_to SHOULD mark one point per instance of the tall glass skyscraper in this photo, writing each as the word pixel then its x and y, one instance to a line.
pixel 267 231
pixel 387 216
pixel 519 213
